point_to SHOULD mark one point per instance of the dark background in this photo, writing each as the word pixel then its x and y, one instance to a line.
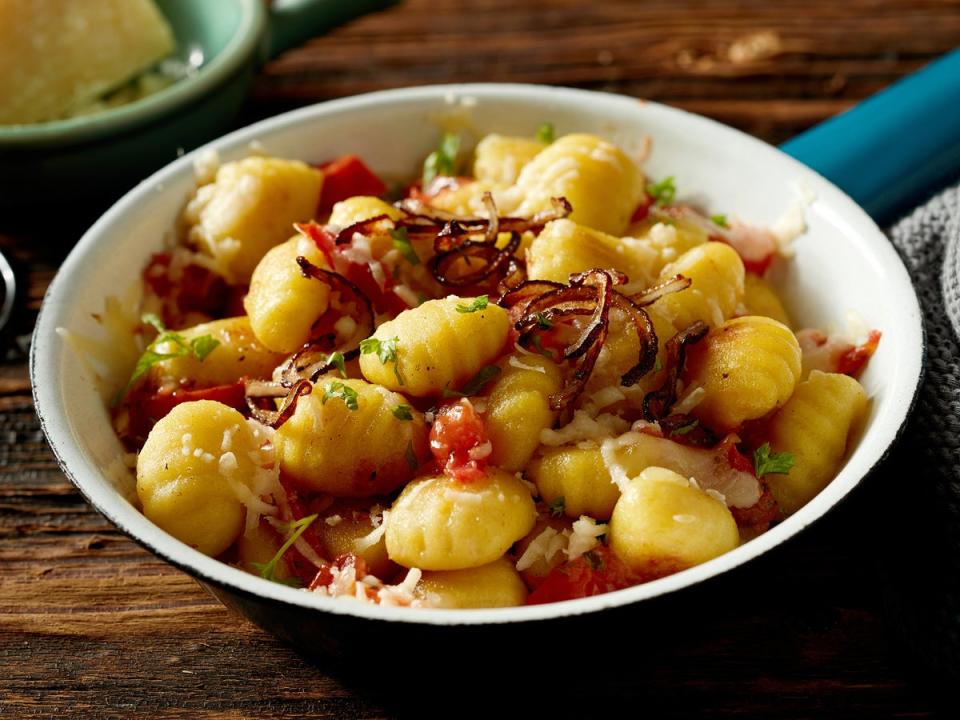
pixel 91 625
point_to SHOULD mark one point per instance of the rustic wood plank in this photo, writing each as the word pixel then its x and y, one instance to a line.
pixel 93 626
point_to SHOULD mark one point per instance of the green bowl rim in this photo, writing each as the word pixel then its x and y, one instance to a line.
pixel 75 130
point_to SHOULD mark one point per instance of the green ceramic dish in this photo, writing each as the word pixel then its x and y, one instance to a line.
pixel 92 159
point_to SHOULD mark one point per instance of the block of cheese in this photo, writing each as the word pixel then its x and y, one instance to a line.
pixel 57 55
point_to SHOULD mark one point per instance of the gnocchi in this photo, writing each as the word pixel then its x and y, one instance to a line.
pixel 533 376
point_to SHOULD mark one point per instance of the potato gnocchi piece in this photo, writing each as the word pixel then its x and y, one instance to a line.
pixel 564 247
pixel 761 299
pixel 816 425
pixel 282 304
pixel 747 367
pixel 249 208
pixel 239 355
pixel 438 523
pixel 465 199
pixel 668 238
pixel 343 530
pixel 192 473
pixel 576 479
pixel 518 408
pixel 500 158
pixel 717 276
pixel 346 440
pixel 257 547
pixel 436 346
pixel 359 208
pixel 663 523
pixel 495 584
pixel 601 183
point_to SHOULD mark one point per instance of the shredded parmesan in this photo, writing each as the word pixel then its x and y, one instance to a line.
pixel 691 398
pixel 373 537
pixel 514 362
pixel 584 427
pixel 585 536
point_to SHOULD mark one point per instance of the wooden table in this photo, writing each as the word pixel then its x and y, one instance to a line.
pixel 93 626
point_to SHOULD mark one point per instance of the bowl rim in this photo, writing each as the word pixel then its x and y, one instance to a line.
pixel 241 46
pixel 44 357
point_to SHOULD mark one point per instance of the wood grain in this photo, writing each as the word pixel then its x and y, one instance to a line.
pixel 93 626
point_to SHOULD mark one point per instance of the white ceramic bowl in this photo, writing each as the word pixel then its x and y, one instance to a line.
pixel 842 263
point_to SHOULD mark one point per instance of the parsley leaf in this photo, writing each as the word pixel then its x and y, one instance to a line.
pixel 543 322
pixel 203 346
pixel 662 192
pixel 386 351
pixel 176 345
pixel 401 241
pixel 337 360
pixel 342 391
pixel 557 506
pixel 765 461
pixel 479 303
pixel 545 133
pixel 411 456
pixel 538 345
pixel 476 383
pixel 684 429
pixel 402 412
pixel 720 220
pixel 268 570
pixel 658 364
pixel 442 161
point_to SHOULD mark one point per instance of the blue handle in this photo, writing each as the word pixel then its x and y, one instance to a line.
pixel 894 148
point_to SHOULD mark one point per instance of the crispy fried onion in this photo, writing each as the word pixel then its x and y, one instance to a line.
pixel 295 377
pixel 657 403
pixel 540 305
pixel 466 249
pixel 651 295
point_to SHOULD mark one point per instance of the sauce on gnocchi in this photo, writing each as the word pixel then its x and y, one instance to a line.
pixel 534 374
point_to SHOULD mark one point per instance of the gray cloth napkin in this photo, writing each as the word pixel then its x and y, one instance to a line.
pixel 921 481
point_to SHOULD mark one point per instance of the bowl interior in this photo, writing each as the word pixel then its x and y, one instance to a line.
pixel 843 263
pixel 213 37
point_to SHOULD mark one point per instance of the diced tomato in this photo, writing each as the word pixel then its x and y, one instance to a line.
pixel 155 274
pixel 643 209
pixel 145 410
pixel 853 360
pixel 384 299
pixel 324 575
pixel 593 573
pixel 458 441
pixel 345 177
pixel 737 460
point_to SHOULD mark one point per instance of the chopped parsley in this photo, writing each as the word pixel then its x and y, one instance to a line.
pixel 401 241
pixel 545 133
pixel 198 347
pixel 538 345
pixel 386 352
pixel 268 570
pixel 543 322
pixel 479 303
pixel 557 506
pixel 684 429
pixel 720 220
pixel 402 412
pixel 443 160
pixel 411 456
pixel 662 192
pixel 337 360
pixel 765 461
pixel 476 383
pixel 342 391
pixel 658 365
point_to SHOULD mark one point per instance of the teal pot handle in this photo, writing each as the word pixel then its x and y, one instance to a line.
pixel 892 150
pixel 294 21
